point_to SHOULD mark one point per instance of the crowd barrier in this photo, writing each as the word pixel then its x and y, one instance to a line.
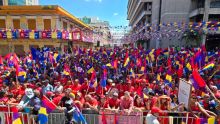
pixel 93 117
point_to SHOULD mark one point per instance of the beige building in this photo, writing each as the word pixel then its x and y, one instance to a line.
pixel 102 34
pixel 39 18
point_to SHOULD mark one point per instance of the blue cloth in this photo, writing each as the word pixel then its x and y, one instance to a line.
pixel 47 88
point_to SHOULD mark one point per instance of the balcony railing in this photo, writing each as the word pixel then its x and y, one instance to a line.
pixel 215 4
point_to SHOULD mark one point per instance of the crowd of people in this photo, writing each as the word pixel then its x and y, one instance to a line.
pixel 112 79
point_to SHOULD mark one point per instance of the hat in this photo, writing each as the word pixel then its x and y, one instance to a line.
pixel 115 94
pixel 156 110
pixel 110 80
pixel 50 93
pixel 29 93
pixel 72 95
pixel 113 84
pixel 127 93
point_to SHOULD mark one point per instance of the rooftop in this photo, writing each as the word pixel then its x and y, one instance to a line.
pixel 40 10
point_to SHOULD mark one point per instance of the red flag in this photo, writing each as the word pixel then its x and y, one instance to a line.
pixel 180 71
pixel 104 121
pixel 198 78
pixel 115 119
pixel 115 63
pixel 1 61
pixel 93 76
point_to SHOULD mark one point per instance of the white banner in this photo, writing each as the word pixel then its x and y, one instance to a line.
pixel 184 92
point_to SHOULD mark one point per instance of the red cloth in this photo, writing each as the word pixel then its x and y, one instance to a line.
pixel 114 103
pixel 126 104
pixel 57 99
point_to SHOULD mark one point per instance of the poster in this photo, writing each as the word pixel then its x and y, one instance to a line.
pixel 184 92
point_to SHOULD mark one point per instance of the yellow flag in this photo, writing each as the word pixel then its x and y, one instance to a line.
pixel 9 34
pixel 211 120
pixel 54 35
pixel 31 35
pixel 70 36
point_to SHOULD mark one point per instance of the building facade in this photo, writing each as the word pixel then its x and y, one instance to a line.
pixel 102 33
pixel 41 18
pixel 156 12
pixel 19 2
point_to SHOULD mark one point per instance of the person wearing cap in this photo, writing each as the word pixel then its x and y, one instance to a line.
pixel 112 89
pixel 138 104
pixel 46 87
pixel 114 102
pixel 58 87
pixel 103 104
pixel 126 103
pixel 29 94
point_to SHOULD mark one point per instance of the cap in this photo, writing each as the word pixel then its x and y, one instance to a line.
pixel 156 110
pixel 72 95
pixel 115 94
pixel 29 93
pixel 50 93
pixel 127 93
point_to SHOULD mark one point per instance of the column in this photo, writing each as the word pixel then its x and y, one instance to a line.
pixel 206 18
pixel 54 22
pixel 9 24
pixel 40 23
pixel 23 22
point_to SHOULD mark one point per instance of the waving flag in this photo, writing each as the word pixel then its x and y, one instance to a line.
pixel 132 73
pixel 66 70
pixel 46 108
pixel 21 74
pixel 78 117
pixel 93 80
pixel 209 66
pixel 104 78
pixel 1 61
pixel 198 79
pixel 42 116
pixel 90 70
pixel 16 117
pixel 127 60
pixel 57 57
pixel 188 66
pixel 168 79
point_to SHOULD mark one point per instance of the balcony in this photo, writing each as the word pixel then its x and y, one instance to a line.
pixel 144 8
pixel 215 4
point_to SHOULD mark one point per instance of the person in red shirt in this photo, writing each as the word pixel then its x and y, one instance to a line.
pixel 58 96
pixel 126 102
pixel 103 104
pixel 138 104
pixel 68 85
pixel 90 102
pixel 114 102
pixel 76 86
pixel 85 88
pixel 79 100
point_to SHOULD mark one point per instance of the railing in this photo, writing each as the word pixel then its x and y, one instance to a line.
pixel 94 117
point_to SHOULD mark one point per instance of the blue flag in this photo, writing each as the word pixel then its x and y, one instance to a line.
pixel 78 117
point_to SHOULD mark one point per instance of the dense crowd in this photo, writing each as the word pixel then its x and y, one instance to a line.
pixel 120 79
